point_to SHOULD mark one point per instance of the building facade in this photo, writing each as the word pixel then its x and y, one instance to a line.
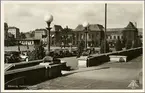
pixel 27 41
pixel 40 33
pixel 113 34
pixel 95 35
pixel 130 32
pixel 54 35
pixel 72 37
pixel 15 31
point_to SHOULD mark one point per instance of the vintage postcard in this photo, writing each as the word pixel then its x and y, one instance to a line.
pixel 72 46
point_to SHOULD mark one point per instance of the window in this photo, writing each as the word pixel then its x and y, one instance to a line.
pixel 118 37
pixel 121 37
pixel 114 37
pixel 89 36
pixel 81 36
pixel 110 37
pixel 92 36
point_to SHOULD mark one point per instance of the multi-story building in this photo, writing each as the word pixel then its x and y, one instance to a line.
pixel 130 32
pixel 54 35
pixel 65 36
pixel 39 33
pixel 94 36
pixel 15 31
pixel 113 34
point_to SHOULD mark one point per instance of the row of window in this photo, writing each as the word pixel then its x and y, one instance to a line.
pixel 115 37
pixel 25 42
pixel 81 36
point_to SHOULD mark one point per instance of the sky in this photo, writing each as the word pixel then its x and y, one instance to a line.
pixel 30 16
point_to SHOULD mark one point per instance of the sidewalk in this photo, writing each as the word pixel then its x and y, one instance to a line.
pixel 106 76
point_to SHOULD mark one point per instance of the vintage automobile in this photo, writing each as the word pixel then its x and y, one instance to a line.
pixel 14 57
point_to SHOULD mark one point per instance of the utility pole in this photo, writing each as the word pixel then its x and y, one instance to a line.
pixel 105 41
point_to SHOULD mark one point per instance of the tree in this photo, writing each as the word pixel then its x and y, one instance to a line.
pixel 103 43
pixel 38 53
pixel 128 44
pixel 139 42
pixel 5 30
pixel 118 45
pixel 32 33
pixel 22 35
pixel 10 41
pixel 80 48
pixel 41 51
pixel 136 43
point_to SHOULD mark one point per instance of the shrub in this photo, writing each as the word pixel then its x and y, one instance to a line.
pixel 139 43
pixel 136 43
pixel 80 48
pixel 38 53
pixel 118 45
pixel 128 44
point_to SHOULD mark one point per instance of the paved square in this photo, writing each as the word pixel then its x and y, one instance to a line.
pixel 105 76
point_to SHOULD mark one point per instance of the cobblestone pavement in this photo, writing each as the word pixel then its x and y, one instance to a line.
pixel 107 76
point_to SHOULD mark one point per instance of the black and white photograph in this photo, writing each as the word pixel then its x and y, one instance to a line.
pixel 72 46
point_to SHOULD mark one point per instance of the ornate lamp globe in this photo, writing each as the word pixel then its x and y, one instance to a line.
pixel 85 24
pixel 48 18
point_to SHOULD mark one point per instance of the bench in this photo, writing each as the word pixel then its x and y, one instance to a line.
pixel 118 58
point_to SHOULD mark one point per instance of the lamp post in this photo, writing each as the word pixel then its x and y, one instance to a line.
pixel 105 28
pixel 86 25
pixel 18 46
pixel 48 19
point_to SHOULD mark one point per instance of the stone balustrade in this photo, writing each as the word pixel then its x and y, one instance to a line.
pixel 23 77
pixel 98 59
pixel 25 64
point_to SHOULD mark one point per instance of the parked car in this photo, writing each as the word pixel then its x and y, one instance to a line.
pixel 23 57
pixel 58 53
pixel 66 53
pixel 14 57
pixel 74 52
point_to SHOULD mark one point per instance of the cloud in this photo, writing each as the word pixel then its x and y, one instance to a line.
pixel 31 16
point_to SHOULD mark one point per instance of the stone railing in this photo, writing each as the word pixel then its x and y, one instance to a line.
pixel 23 77
pixel 98 59
pixel 25 64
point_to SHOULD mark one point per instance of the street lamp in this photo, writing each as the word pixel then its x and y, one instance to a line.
pixel 18 46
pixel 105 28
pixel 86 25
pixel 48 19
